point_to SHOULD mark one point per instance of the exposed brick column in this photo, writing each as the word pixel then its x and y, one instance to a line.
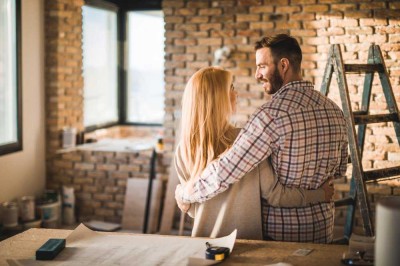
pixel 63 71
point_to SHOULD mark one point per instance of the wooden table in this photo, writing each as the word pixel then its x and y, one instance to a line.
pixel 245 252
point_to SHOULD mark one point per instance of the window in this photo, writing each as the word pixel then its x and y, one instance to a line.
pixel 145 73
pixel 100 66
pixel 10 85
pixel 123 65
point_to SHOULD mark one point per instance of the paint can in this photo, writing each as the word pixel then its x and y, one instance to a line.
pixel 10 214
pixel 49 209
pixel 27 205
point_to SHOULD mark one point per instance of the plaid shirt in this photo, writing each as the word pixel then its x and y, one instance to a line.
pixel 305 134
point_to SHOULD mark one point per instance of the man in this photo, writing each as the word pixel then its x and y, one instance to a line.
pixel 304 133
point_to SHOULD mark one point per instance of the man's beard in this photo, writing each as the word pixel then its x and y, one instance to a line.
pixel 275 81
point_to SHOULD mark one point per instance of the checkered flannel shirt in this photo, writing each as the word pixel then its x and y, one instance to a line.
pixel 305 134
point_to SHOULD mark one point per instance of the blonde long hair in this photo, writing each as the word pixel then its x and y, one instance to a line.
pixel 206 109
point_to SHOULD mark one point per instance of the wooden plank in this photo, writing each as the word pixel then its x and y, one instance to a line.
pixel 388 90
pixel 169 203
pixel 327 77
pixel 373 175
pixel 365 101
pixel 149 191
pixel 344 202
pixel 170 206
pixel 360 112
pixel 135 202
pixel 351 210
pixel 379 118
pixel 363 68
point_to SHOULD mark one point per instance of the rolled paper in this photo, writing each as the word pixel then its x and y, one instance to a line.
pixel 388 232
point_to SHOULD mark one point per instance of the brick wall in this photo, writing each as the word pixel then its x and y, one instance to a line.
pixel 195 29
pixel 98 172
pixel 99 179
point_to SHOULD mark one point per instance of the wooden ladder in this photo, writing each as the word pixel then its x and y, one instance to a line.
pixel 361 118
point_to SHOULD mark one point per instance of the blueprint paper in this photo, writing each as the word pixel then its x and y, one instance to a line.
pixel 87 247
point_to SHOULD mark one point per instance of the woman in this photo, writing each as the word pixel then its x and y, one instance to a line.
pixel 208 102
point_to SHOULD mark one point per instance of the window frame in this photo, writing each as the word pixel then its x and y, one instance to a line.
pixel 124 62
pixel 18 144
pixel 123 7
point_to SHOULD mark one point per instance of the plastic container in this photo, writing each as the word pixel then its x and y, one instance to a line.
pixel 69 137
pixel 49 211
pixel 10 214
pixel 27 207
pixel 48 208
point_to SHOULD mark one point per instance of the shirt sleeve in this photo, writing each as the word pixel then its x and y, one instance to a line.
pixel 282 196
pixel 278 195
pixel 252 146
pixel 341 170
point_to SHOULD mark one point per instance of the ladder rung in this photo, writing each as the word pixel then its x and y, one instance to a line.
pixel 344 202
pixel 360 113
pixel 363 68
pixel 369 119
pixel 372 175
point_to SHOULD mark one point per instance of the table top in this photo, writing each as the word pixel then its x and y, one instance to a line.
pixel 245 252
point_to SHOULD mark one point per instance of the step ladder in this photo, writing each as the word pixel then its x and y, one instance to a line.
pixel 361 118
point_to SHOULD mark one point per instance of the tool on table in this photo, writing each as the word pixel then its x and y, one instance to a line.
pixel 356 258
pixel 50 249
pixel 216 253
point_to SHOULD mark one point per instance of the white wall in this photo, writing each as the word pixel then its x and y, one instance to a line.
pixel 23 173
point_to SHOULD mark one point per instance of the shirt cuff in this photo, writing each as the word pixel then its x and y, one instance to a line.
pixel 183 194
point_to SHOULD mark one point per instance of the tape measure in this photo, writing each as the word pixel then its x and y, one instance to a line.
pixel 216 253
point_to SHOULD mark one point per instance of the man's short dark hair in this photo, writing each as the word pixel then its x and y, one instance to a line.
pixel 282 46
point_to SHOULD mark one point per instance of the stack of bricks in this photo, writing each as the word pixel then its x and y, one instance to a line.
pixel 196 29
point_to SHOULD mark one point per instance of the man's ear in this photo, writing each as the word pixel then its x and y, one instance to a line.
pixel 284 65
